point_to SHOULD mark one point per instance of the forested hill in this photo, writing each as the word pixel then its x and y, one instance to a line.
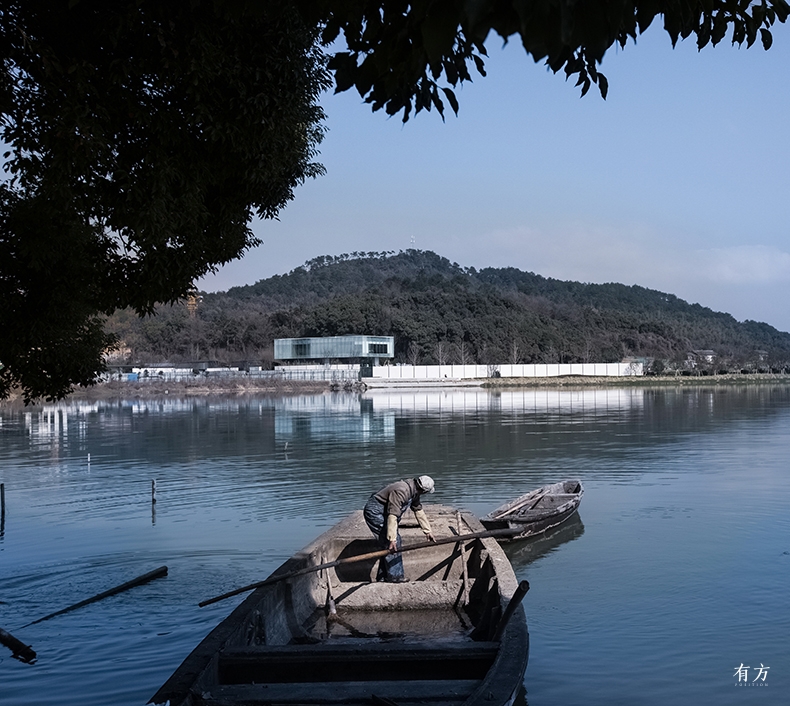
pixel 439 311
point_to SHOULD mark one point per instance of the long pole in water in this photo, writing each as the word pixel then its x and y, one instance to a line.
pixel 20 650
pixel 507 532
pixel 145 578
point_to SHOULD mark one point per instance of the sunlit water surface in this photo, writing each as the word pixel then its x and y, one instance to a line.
pixel 676 574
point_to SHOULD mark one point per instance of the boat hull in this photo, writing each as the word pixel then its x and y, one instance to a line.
pixel 538 511
pixel 409 643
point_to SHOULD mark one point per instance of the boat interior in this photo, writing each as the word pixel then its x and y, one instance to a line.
pixel 338 636
pixel 548 499
pixel 549 502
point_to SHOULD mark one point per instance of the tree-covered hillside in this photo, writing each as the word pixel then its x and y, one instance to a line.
pixel 440 312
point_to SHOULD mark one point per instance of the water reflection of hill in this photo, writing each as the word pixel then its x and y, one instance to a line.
pixel 453 427
pixel 526 551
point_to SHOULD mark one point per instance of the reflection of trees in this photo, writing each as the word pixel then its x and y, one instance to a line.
pixel 151 431
pixel 533 426
pixel 464 436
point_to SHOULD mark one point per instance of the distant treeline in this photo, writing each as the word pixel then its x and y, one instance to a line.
pixel 440 312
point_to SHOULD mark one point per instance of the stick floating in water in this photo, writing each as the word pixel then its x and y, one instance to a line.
pixel 19 649
pixel 145 578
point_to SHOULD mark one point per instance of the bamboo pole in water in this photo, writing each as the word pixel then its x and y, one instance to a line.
pixel 145 578
pixel 19 649
pixel 507 532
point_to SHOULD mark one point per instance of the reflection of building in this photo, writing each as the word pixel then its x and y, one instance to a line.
pixel 331 419
pixel 345 348
pixel 539 401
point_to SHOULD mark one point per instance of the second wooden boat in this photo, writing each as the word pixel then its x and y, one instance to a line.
pixel 537 511
pixel 441 638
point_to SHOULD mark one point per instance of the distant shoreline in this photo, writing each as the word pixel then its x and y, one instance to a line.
pixel 180 388
pixel 251 386
pixel 642 380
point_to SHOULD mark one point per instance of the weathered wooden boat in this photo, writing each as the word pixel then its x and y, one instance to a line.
pixel 537 511
pixel 450 635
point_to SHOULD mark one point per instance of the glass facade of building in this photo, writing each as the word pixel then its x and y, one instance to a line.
pixel 334 348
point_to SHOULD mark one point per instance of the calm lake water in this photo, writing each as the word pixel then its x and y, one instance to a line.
pixel 676 574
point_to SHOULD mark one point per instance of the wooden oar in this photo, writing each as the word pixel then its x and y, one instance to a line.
pixel 150 576
pixel 506 532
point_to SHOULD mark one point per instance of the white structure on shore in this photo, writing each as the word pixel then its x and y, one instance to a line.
pixel 403 374
pixel 352 348
pixel 536 370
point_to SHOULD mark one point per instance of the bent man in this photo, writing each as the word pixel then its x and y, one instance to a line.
pixel 383 513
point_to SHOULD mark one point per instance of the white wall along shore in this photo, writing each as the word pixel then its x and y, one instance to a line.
pixel 372 374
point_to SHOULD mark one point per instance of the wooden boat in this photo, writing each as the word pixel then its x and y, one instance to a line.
pixel 438 638
pixel 538 510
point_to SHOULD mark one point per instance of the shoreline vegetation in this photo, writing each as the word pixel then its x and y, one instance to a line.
pixel 240 386
pixel 438 312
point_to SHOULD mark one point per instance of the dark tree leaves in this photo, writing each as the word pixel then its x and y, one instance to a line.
pixel 143 138
pixel 398 52
pixel 144 135
pixel 488 316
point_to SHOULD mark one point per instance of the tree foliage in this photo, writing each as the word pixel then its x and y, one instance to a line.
pixel 399 53
pixel 142 138
pixel 438 310
pixel 144 135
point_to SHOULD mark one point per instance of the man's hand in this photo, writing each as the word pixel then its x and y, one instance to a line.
pixel 393 547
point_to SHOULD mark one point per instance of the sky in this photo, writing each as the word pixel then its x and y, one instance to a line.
pixel 677 182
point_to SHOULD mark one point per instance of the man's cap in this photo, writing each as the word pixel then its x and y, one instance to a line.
pixel 425 484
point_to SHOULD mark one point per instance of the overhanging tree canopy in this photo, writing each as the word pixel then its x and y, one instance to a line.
pixel 144 135
pixel 399 51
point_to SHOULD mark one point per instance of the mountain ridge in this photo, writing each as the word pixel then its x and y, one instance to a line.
pixel 440 311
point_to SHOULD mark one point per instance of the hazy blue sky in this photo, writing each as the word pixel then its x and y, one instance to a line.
pixel 678 181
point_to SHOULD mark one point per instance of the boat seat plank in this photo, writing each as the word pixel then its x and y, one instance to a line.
pixel 327 648
pixel 372 650
pixel 401 692
pixel 413 595
pixel 364 663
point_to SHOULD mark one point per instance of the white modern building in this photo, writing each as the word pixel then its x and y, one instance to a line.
pixel 362 349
